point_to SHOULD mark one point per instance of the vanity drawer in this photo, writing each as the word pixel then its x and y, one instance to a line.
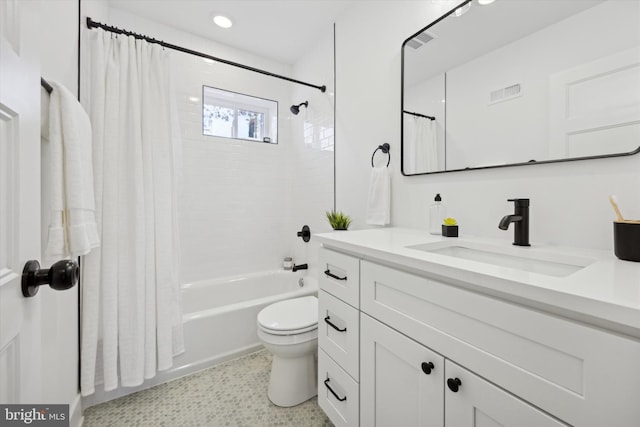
pixel 338 393
pixel 340 276
pixel 338 332
pixel 582 375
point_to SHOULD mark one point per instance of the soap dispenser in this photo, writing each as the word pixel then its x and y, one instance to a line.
pixel 437 213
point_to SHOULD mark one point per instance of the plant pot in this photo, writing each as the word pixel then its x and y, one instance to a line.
pixel 450 230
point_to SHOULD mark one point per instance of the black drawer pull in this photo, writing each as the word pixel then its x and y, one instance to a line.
pixel 328 273
pixel 341 399
pixel 326 319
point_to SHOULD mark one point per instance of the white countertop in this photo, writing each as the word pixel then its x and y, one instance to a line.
pixel 606 293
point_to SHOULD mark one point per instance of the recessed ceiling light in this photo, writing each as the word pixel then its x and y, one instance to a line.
pixel 222 21
pixel 193 99
pixel 485 2
pixel 208 60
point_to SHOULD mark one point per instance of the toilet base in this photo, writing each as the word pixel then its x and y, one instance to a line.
pixel 294 380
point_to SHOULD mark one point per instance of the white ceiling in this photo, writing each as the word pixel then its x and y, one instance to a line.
pixel 278 29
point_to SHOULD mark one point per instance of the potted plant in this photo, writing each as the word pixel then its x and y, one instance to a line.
pixel 338 220
pixel 450 227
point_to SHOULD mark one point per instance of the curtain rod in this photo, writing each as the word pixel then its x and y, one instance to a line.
pixel 93 24
pixel 419 115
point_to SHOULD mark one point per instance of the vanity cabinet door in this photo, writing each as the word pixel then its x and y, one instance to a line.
pixel 401 381
pixel 472 401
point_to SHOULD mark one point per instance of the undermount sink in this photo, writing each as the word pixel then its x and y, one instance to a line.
pixel 518 258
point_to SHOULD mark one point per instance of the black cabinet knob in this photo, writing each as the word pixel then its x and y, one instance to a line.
pixel 427 367
pixel 454 384
pixel 62 275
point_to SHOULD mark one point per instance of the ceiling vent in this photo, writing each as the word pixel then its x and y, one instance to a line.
pixel 420 40
pixel 413 43
pixel 505 93
pixel 425 37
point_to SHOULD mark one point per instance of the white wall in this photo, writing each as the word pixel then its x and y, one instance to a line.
pixel 568 200
pixel 59 62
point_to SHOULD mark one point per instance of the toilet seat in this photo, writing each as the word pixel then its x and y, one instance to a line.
pixel 290 317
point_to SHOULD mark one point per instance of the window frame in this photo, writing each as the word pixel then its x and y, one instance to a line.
pixel 241 105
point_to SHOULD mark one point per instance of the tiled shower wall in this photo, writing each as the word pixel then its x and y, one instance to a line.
pixel 312 154
pixel 242 202
pixel 232 206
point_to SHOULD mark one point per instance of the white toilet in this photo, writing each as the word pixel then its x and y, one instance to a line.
pixel 289 330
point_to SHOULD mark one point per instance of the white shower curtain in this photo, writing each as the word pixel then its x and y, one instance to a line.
pixel 131 317
pixel 421 144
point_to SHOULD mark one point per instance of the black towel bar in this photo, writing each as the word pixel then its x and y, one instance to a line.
pixel 385 149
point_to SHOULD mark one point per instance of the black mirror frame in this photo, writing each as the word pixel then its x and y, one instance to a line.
pixel 603 156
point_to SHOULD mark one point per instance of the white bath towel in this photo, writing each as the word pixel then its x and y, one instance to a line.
pixel 72 225
pixel 379 201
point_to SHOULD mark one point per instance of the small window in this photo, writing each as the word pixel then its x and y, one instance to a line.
pixel 234 115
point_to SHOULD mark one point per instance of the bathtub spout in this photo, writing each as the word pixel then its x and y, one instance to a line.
pixel 300 267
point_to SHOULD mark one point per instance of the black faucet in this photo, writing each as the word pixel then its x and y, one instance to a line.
pixel 521 219
pixel 300 267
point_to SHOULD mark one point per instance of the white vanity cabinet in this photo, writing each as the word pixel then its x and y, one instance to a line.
pixel 421 334
pixel 404 383
pixel 580 375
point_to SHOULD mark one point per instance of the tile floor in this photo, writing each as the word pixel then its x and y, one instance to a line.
pixel 231 394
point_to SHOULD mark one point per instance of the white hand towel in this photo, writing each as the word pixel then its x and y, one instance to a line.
pixel 72 227
pixel 379 202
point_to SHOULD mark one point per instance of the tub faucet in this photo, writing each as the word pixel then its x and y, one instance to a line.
pixel 521 219
pixel 300 267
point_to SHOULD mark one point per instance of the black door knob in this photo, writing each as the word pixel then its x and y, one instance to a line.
pixel 62 275
pixel 427 367
pixel 454 384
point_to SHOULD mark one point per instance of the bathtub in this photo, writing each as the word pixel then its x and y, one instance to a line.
pixel 220 315
pixel 220 322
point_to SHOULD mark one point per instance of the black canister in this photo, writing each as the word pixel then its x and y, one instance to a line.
pixel 626 240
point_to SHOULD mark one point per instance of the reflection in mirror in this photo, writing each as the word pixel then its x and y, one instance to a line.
pixel 520 82
pixel 234 115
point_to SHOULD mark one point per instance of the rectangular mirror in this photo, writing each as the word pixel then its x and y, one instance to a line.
pixel 234 115
pixel 503 83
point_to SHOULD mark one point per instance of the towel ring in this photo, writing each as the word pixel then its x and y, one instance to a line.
pixel 385 149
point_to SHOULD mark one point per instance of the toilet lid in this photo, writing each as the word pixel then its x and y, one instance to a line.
pixel 289 315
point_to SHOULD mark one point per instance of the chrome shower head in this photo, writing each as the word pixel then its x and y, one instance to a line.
pixel 295 109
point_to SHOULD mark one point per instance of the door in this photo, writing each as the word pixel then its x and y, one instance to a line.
pixel 595 107
pixel 401 381
pixel 20 338
pixel 472 401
